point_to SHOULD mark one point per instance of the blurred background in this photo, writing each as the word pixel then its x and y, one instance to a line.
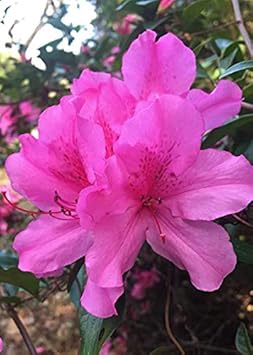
pixel 44 44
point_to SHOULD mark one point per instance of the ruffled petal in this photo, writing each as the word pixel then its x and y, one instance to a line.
pixel 223 103
pixel 216 185
pixel 48 244
pixel 99 301
pixel 202 248
pixel 154 68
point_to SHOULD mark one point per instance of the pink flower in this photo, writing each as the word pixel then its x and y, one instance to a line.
pixel 108 61
pixel 103 158
pixel 85 49
pixel 50 172
pixel 105 350
pixel 1 345
pixel 74 138
pixel 29 111
pixel 162 189
pixel 40 349
pixel 115 50
pixel 143 281
pixel 164 4
pixel 6 119
pixel 125 26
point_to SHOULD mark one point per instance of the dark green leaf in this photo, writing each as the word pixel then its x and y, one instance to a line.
pixel 10 299
pixel 20 279
pixel 90 328
pixel 192 11
pixel 146 2
pixel 162 350
pixel 247 64
pixel 244 250
pixel 242 341
pixel 228 128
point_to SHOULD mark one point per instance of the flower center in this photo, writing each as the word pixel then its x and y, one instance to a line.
pixel 152 203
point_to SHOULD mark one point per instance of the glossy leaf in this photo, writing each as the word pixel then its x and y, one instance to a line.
pixel 192 11
pixel 228 128
pixel 244 251
pixel 247 64
pixel 242 341
pixel 20 279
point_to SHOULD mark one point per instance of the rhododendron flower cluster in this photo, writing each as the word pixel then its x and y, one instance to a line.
pixel 118 163
pixel 126 25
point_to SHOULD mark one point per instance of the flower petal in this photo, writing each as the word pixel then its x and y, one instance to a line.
pixel 155 144
pixel 163 67
pixel 223 103
pixel 202 248
pixel 99 301
pixel 47 245
pixel 117 241
pixel 216 185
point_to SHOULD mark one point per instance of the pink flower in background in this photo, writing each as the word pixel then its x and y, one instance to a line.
pixel 115 50
pixel 143 281
pixel 1 345
pixel 125 26
pixel 162 189
pixel 106 348
pixel 6 119
pixel 30 112
pixel 165 4
pixel 85 49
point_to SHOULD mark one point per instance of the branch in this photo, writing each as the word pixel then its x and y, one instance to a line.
pixel 241 26
pixel 14 315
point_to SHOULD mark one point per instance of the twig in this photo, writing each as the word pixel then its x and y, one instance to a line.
pixel 14 315
pixel 241 26
pixel 241 220
pixel 38 27
pixel 167 323
pixel 214 28
pixel 247 106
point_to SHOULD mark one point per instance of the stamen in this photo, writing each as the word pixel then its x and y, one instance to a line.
pixel 51 213
pixel 161 234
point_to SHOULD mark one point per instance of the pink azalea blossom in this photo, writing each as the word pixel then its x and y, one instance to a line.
pixel 105 350
pixel 165 4
pixel 1 345
pixel 125 26
pixel 162 189
pixel 103 159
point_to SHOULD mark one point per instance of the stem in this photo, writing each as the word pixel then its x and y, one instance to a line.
pixel 241 26
pixel 14 315
pixel 241 220
pixel 167 323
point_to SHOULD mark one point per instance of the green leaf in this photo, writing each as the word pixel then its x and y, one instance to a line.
pixel 90 328
pixel 161 350
pixel 242 341
pixel 8 259
pixel 228 128
pixel 244 250
pixel 10 299
pixel 94 332
pixel 123 5
pixel 247 64
pixel 146 2
pixel 21 279
pixel 192 11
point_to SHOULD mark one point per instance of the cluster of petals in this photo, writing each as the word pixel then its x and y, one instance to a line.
pixel 144 280
pixel 118 163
